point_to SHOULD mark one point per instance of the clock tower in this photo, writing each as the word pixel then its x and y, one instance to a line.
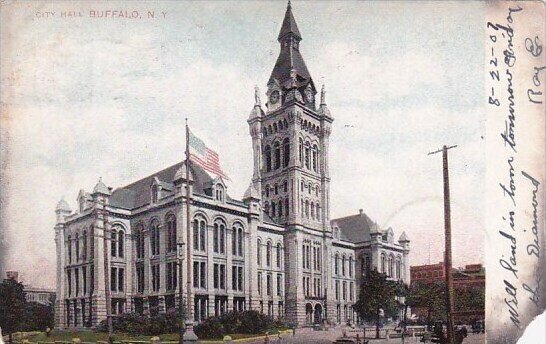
pixel 290 144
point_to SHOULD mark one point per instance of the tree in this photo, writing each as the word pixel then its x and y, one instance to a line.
pixel 430 296
pixel 12 306
pixel 376 294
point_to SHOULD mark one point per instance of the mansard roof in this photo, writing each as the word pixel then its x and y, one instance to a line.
pixel 355 228
pixel 138 194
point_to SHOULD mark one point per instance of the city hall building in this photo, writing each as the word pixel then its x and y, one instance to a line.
pixel 276 250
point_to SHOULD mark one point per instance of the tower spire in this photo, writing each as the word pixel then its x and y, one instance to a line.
pixel 289 26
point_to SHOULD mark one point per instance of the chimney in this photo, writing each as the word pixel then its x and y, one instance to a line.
pixel 360 211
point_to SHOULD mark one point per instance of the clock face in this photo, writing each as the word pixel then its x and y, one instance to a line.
pixel 274 97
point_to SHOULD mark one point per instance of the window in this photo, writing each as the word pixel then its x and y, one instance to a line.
pixel 196 234
pixel 315 158
pixel 121 244
pixel 280 208
pixel 77 279
pixel 84 248
pixel 267 158
pixel 307 155
pixel 398 265
pixel 273 209
pixel 237 240
pixel 301 151
pixel 279 252
pixel 279 285
pixel 77 241
pixel 336 265
pixel 240 240
pixel 350 266
pixel 155 193
pixel 391 269
pixel 113 242
pixel 84 279
pixel 154 237
pixel 69 245
pixel 220 192
pixel 344 290
pixel 171 276
pixel 343 266
pixel 267 191
pixel 383 263
pixel 268 254
pixel 285 186
pixel 286 155
pixel 219 276
pixel 259 251
pixel 259 283
pixel 140 277
pixel 237 278
pixel 286 207
pixel 113 279
pixel 121 279
pixel 171 233
pixel 351 291
pixel 156 278
pixel 69 280
pixel 268 284
pixel 219 237
pixel 139 241
pixel 312 210
pixel 277 155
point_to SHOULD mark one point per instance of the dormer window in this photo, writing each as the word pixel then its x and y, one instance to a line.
pixel 219 193
pixel 155 193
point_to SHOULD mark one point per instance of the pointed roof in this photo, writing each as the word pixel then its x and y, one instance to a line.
pixel 62 206
pixel 101 188
pixel 290 58
pixel 403 238
pixel 289 25
pixel 251 192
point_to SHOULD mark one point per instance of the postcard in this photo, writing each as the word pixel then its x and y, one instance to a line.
pixel 272 171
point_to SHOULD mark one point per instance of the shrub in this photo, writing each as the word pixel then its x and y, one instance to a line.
pixel 141 324
pixel 249 322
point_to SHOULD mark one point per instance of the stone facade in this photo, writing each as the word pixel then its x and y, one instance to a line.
pixel 277 250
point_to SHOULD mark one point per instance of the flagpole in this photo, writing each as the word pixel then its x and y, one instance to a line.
pixel 189 335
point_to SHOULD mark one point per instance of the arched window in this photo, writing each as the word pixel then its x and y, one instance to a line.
pixel 336 264
pixel 279 252
pixel 280 125
pixel 219 237
pixel 343 265
pixel 276 189
pixel 307 209
pixel 171 233
pixel 237 240
pixel 312 210
pixel 77 242
pixel 275 127
pixel 273 209
pixel 285 186
pixel 84 248
pixel 391 268
pixel 301 186
pixel 280 208
pixel 286 155
pixel 155 193
pixel 286 206
pixel 350 266
pixel 383 263
pixel 154 237
pixel 315 158
pixel 398 268
pixel 139 241
pixel 307 155
pixel 202 235
pixel 219 192
pixel 268 254
pixel 196 234
pixel 113 242
pixel 267 155
pixel 301 151
pixel 318 212
pixel 121 243
pixel 69 245
pixel 277 149
pixel 259 251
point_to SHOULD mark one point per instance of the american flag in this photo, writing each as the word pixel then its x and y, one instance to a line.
pixel 203 156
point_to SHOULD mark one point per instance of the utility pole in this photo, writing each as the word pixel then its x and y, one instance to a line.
pixel 105 233
pixel 182 328
pixel 447 254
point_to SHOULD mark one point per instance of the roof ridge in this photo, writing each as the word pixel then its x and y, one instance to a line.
pixel 151 175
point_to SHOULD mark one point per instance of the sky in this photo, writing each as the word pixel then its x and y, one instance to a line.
pixel 84 98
